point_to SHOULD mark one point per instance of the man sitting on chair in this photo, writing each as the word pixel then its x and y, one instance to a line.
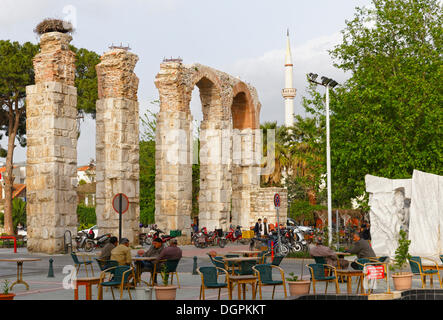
pixel 320 250
pixel 362 248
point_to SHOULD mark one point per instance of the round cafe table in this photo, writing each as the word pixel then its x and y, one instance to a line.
pixel 138 262
pixel 341 255
pixel 236 260
pixel 20 262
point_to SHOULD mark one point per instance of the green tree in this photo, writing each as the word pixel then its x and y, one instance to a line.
pixel 281 154
pixel 147 168
pixel 86 80
pixel 17 72
pixel 386 118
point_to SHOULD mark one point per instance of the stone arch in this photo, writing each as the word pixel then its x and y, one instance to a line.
pixel 242 108
pixel 227 103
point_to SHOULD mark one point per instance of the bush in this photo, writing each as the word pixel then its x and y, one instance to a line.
pixel 86 215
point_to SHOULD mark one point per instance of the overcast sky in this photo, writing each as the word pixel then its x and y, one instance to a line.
pixel 242 37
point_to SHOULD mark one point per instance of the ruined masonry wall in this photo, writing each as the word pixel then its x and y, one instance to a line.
pixel 51 124
pixel 117 142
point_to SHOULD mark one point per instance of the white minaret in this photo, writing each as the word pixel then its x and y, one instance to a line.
pixel 288 92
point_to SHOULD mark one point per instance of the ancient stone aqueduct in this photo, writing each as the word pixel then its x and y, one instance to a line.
pixel 229 180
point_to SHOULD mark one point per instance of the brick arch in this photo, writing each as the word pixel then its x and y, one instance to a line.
pixel 244 113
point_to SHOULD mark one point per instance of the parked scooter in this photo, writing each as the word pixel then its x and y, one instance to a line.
pixel 146 238
pixel 235 235
pixel 88 242
pixel 163 238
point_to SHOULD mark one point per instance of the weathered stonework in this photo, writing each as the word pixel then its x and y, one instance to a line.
pixel 262 205
pixel 117 142
pixel 228 148
pixel 51 128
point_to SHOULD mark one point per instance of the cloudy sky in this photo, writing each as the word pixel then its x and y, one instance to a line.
pixel 244 38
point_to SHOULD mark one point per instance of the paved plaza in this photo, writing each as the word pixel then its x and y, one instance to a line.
pixel 43 287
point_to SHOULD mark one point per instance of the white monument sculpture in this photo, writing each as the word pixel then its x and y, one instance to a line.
pixel 413 205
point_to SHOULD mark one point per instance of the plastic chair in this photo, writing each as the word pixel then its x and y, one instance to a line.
pixel 417 269
pixel 121 277
pixel 231 264
pixel 79 263
pixel 245 267
pixel 171 268
pixel 217 262
pixel 106 264
pixel 381 259
pixel 277 260
pixel 361 262
pixel 320 260
pixel 264 276
pixel 209 277
pixel 263 255
pixel 318 273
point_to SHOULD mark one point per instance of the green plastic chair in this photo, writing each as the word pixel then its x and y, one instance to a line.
pixel 79 263
pixel 318 272
pixel 171 269
pixel 106 264
pixel 277 260
pixel 232 263
pixel 320 260
pixel 209 278
pixel 264 276
pixel 263 255
pixel 417 269
pixel 121 277
pixel 245 267
pixel 217 261
pixel 382 258
pixel 361 263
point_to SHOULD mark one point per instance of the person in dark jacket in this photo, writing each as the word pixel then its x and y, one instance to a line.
pixel 364 232
pixel 257 228
pixel 105 253
pixel 362 248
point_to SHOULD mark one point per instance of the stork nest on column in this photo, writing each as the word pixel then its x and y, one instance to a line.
pixel 54 25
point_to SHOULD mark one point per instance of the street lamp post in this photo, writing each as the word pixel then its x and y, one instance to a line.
pixel 328 83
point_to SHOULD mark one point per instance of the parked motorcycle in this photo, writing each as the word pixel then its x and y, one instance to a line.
pixel 146 237
pixel 88 242
pixel 235 234
pixel 294 239
pixel 163 238
pixel 80 239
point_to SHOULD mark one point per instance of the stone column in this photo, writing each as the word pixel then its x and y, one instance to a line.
pixel 117 142
pixel 245 175
pixel 173 152
pixel 51 128
pixel 215 175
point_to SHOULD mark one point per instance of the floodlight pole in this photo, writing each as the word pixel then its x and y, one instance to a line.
pixel 326 83
pixel 328 167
